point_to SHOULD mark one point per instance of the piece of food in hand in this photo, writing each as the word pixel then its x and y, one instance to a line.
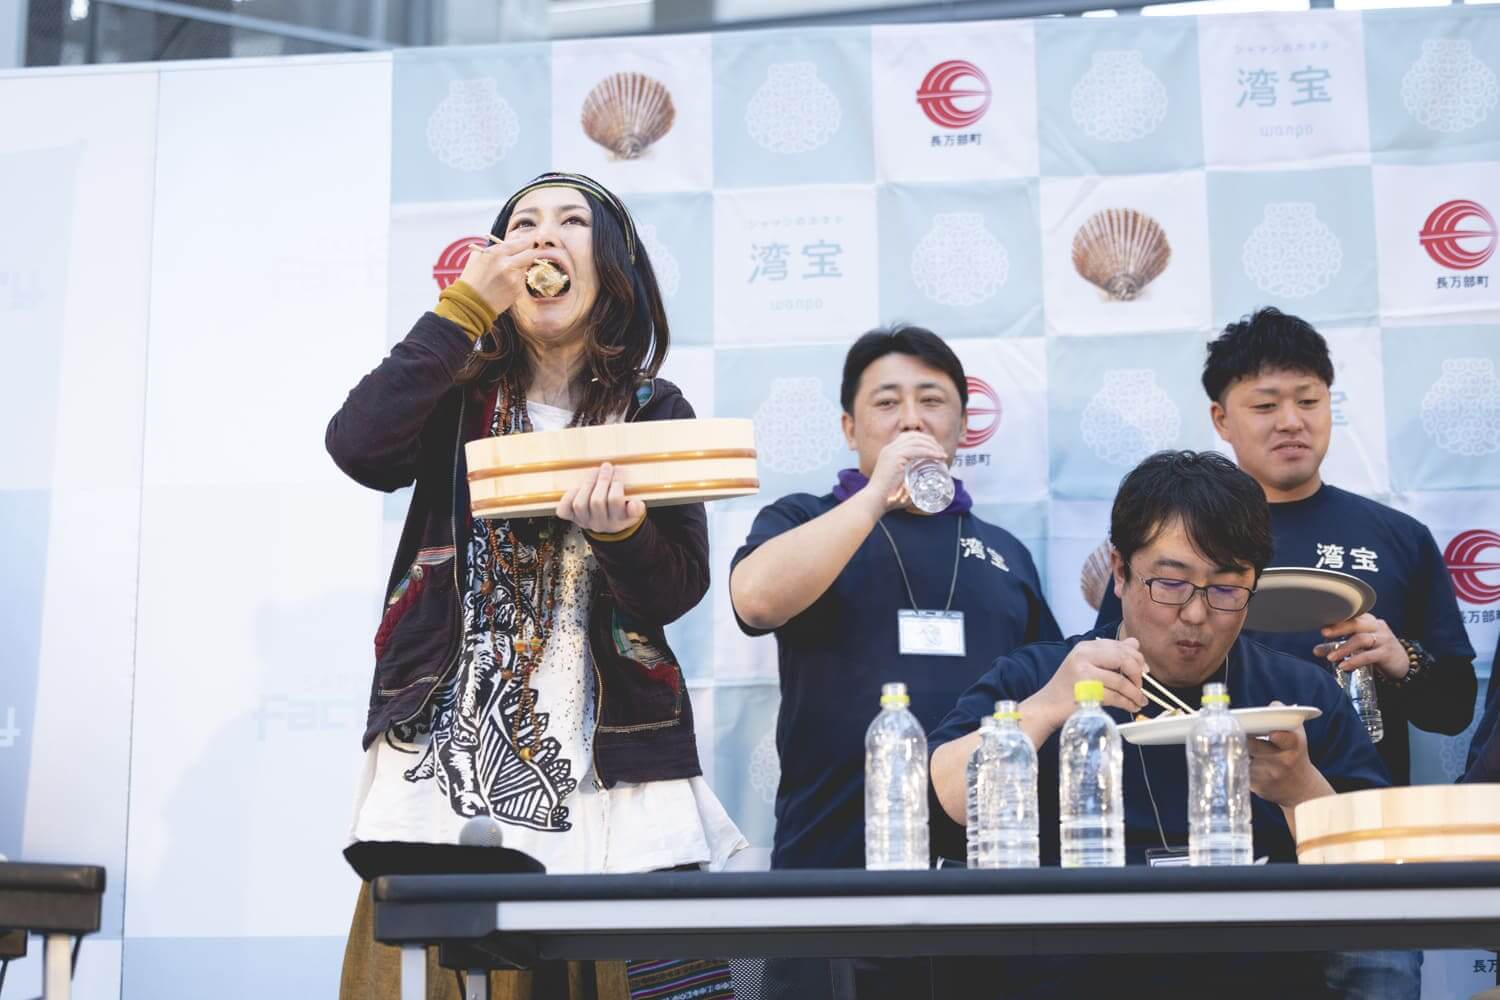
pixel 546 280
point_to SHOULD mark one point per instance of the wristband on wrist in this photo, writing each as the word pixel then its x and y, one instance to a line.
pixel 1418 661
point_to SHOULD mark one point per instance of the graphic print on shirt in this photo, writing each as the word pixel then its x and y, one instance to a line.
pixel 476 722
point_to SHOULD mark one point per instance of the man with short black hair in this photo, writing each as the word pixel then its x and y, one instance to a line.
pixel 1268 379
pixel 1191 535
pixel 843 578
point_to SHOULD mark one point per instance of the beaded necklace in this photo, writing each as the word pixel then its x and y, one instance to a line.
pixel 535 575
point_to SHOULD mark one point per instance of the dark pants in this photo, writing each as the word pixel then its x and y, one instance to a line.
pixel 1292 976
pixel 848 979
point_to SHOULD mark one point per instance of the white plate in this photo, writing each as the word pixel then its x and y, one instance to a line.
pixel 1254 721
pixel 1297 599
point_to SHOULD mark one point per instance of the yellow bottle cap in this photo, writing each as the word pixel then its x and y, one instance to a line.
pixel 1088 691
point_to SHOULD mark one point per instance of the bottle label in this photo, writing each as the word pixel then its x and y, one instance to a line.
pixel 930 633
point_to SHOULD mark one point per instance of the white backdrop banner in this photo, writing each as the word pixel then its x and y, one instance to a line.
pixel 197 261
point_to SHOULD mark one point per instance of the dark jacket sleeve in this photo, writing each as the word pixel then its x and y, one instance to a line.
pixel 375 437
pixel 1484 746
pixel 660 572
pixel 1441 699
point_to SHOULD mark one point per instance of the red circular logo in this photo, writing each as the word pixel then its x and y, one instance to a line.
pixel 984 403
pixel 1459 235
pixel 450 263
pixel 954 94
pixel 1473 559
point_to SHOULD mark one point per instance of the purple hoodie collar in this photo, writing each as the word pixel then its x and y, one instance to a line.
pixel 851 481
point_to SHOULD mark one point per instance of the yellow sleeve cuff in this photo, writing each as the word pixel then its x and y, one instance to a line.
pixel 460 304
pixel 617 536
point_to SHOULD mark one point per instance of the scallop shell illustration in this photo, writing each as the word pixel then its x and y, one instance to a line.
pixel 792 111
pixel 1119 99
pixel 1291 252
pixel 765 767
pixel 473 127
pixel 1120 250
pixel 627 112
pixel 1129 417
pixel 1461 410
pixel 663 260
pixel 1096 576
pixel 796 426
pixel 1448 88
pixel 958 262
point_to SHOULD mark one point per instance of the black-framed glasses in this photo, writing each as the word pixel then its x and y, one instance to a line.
pixel 1176 593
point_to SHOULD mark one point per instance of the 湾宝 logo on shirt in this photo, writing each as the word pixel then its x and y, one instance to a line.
pixel 1340 558
pixel 954 94
pixel 1473 561
pixel 973 548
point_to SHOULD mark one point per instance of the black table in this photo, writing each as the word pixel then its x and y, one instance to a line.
pixel 504 921
pixel 59 902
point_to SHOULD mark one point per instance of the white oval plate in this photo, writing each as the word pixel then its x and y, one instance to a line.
pixel 1254 721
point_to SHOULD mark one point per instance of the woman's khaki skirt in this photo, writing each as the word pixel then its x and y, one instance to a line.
pixel 372 971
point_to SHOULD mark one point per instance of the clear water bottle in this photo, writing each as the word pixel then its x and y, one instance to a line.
pixel 930 484
pixel 895 786
pixel 1359 685
pixel 1002 823
pixel 1218 761
pixel 1091 799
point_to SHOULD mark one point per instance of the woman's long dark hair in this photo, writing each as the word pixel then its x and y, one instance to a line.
pixel 626 337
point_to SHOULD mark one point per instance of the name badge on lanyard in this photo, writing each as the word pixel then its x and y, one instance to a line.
pixel 931 633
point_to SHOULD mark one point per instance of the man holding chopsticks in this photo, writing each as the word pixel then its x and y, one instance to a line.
pixel 1191 534
pixel 1269 379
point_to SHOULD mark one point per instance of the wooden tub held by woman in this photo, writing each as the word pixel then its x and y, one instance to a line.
pixel 660 462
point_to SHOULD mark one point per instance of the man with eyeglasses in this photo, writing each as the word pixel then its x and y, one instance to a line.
pixel 1269 379
pixel 1191 534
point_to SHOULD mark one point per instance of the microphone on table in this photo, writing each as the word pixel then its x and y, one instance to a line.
pixel 481 831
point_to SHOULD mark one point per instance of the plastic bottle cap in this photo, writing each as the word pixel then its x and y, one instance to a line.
pixel 1088 691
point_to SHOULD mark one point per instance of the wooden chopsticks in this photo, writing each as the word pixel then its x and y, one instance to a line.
pixel 1177 703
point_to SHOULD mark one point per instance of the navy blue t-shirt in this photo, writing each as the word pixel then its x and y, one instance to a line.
pixel 835 655
pixel 1256 675
pixel 1396 554
pixel 1484 748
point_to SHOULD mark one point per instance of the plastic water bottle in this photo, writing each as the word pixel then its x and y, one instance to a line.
pixel 895 786
pixel 1218 761
pixel 930 484
pixel 1002 823
pixel 1359 684
pixel 1092 801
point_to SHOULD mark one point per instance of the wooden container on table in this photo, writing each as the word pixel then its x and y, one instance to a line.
pixel 659 461
pixel 1401 825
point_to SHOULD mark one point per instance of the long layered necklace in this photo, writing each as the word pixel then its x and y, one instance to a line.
pixel 535 574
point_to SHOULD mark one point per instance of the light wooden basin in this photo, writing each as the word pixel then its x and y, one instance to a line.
pixel 660 461
pixel 1400 825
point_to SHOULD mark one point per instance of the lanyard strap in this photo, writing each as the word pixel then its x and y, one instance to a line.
pixel 1141 754
pixel 958 546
